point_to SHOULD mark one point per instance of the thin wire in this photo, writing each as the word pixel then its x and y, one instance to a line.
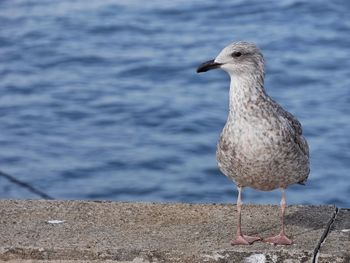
pixel 26 185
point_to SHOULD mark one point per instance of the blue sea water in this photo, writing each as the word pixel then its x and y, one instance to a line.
pixel 100 99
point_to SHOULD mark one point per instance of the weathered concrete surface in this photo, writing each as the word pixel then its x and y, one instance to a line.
pixel 145 232
pixel 336 247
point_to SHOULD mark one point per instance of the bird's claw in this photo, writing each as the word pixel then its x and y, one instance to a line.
pixel 244 240
pixel 280 239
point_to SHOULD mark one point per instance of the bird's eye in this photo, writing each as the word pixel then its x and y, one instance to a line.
pixel 236 54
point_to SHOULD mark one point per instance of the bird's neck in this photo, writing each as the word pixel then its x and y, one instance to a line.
pixel 245 89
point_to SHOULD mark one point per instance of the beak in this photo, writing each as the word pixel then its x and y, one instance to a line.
pixel 211 64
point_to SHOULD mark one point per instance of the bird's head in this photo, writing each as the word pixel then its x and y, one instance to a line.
pixel 236 59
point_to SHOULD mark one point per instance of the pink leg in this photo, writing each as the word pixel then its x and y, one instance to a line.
pixel 242 239
pixel 281 238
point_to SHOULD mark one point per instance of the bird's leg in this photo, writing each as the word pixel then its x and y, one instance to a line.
pixel 242 239
pixel 281 238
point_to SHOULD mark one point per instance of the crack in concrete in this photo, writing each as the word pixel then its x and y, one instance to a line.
pixel 324 235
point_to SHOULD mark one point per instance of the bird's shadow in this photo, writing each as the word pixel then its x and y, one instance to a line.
pixel 306 219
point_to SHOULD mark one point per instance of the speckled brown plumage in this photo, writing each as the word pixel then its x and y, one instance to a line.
pixel 261 145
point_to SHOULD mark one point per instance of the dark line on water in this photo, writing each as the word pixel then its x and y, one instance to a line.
pixel 28 186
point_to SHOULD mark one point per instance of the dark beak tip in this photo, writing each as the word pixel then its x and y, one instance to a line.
pixel 204 67
pixel 199 70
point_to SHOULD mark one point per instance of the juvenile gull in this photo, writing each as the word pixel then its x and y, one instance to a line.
pixel 261 145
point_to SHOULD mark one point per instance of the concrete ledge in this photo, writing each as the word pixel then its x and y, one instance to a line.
pixel 146 232
pixel 336 246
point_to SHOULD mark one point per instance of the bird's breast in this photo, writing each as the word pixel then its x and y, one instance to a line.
pixel 253 136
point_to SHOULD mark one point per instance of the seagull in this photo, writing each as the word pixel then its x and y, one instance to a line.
pixel 261 145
